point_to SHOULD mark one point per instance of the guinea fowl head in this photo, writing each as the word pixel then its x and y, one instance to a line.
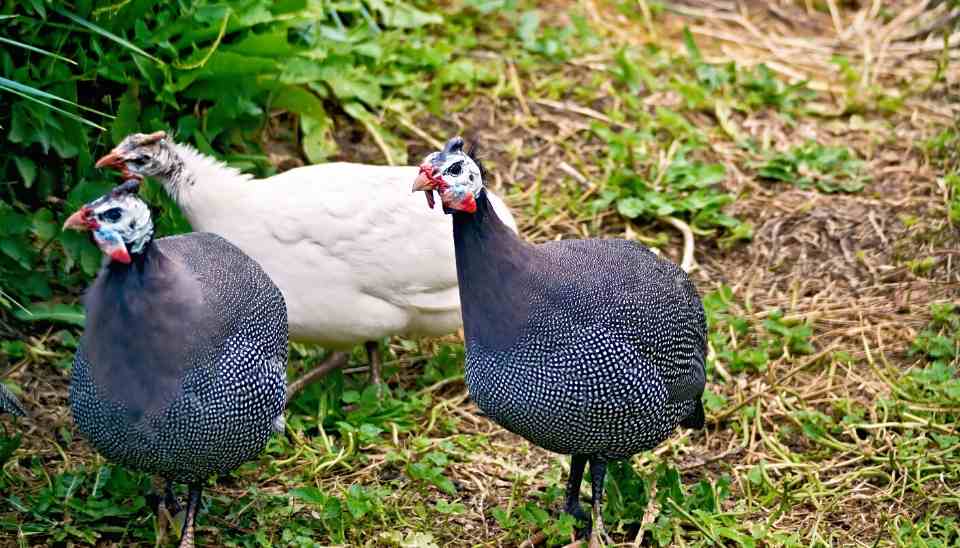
pixel 119 222
pixel 455 174
pixel 139 155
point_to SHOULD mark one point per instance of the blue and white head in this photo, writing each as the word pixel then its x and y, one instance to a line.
pixel 119 222
pixel 455 174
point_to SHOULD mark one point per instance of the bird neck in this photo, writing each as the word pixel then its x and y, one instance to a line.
pixel 143 260
pixel 190 176
pixel 494 274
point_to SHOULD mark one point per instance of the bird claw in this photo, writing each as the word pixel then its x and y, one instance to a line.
pixel 599 538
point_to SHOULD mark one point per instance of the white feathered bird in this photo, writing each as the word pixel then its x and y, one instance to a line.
pixel 354 252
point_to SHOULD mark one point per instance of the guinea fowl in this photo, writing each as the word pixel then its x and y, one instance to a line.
pixel 9 403
pixel 181 370
pixel 592 348
pixel 357 258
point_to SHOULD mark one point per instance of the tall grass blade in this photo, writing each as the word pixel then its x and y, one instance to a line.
pixel 107 34
pixel 66 113
pixel 35 49
pixel 30 90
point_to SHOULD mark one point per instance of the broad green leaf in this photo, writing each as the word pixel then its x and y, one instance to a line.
pixel 310 495
pixel 631 207
pixel 71 314
pixel 128 114
pixel 27 169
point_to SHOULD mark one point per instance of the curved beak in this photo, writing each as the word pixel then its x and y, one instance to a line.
pixel 426 182
pixel 425 179
pixel 112 159
pixel 78 221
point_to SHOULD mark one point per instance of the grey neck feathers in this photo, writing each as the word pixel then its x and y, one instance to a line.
pixel 174 174
pixel 185 167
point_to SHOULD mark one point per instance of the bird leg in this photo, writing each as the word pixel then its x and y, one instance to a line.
pixel 335 360
pixel 190 521
pixel 168 508
pixel 572 503
pixel 170 499
pixel 598 536
pixel 376 365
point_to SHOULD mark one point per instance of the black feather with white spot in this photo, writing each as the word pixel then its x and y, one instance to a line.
pixel 9 403
pixel 182 368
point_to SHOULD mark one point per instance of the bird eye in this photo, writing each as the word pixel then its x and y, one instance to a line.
pixel 111 215
pixel 138 160
pixel 455 169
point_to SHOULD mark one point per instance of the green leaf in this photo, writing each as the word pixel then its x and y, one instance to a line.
pixel 310 495
pixel 692 50
pixel 71 314
pixel 19 250
pixel 401 15
pixel 107 34
pixel 27 169
pixel 631 207
pixel 7 447
pixel 128 114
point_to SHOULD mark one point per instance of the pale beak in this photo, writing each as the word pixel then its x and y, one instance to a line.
pixel 112 159
pixel 78 221
pixel 426 183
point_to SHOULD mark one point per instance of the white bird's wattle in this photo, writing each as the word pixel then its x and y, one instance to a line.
pixel 356 254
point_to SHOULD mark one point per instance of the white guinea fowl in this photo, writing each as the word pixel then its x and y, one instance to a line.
pixel 356 255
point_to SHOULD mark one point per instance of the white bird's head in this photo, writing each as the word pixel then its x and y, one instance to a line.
pixel 141 155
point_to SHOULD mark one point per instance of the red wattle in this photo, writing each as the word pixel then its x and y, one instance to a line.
pixel 469 204
pixel 120 255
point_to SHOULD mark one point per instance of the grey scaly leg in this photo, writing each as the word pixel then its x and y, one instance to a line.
pixel 598 536
pixel 335 360
pixel 376 364
pixel 190 521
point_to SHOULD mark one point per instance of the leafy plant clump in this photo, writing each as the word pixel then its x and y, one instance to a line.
pixel 828 169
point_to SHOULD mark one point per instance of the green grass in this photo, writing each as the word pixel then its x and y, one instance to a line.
pixel 831 402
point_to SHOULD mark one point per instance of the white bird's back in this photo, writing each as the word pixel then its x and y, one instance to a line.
pixel 357 255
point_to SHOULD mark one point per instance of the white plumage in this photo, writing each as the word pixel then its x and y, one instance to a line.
pixel 357 255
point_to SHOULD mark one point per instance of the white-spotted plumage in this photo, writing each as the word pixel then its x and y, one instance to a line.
pixel 9 403
pixel 231 389
pixel 592 348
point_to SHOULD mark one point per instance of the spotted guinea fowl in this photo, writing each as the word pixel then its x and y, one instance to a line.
pixel 355 254
pixel 9 403
pixel 181 370
pixel 592 348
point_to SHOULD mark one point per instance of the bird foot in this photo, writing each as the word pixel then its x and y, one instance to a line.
pixel 578 514
pixel 599 537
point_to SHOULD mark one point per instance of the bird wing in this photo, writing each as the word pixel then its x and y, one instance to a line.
pixel 633 297
pixel 9 403
pixel 365 220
